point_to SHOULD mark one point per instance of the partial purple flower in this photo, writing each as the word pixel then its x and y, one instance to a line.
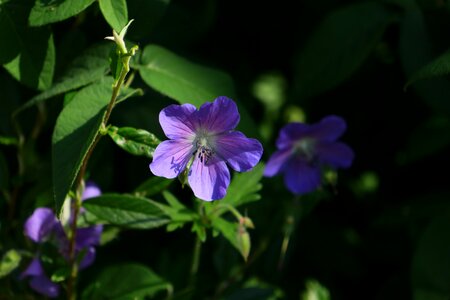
pixel 303 149
pixel 91 190
pixel 39 282
pixel 41 224
pixel 204 141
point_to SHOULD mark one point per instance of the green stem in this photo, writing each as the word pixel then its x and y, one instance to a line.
pixel 195 260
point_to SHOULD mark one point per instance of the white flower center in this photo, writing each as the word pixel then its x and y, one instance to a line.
pixel 305 148
pixel 204 147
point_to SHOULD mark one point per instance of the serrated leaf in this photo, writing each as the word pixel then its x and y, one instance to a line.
pixel 46 12
pixel 10 261
pixel 90 66
pixel 134 141
pixel 338 47
pixel 127 211
pixel 181 79
pixel 115 13
pixel 235 234
pixel 30 52
pixel 75 130
pixel 139 283
pixel 152 186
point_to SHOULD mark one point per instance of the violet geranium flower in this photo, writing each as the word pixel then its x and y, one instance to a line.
pixel 303 149
pixel 204 141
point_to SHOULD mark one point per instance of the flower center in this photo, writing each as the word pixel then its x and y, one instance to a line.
pixel 305 148
pixel 204 151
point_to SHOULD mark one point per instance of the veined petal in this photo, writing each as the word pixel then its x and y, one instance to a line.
pixel 171 157
pixel 40 224
pixel 44 286
pixel 209 182
pixel 291 133
pixel 33 269
pixel 88 236
pixel 300 177
pixel 178 121
pixel 219 116
pixel 335 154
pixel 241 153
pixel 88 258
pixel 329 128
pixel 91 190
pixel 277 162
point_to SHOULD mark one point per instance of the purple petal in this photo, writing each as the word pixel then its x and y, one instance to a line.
pixel 33 269
pixel 301 178
pixel 329 128
pixel 44 286
pixel 277 162
pixel 337 155
pixel 240 152
pixel 178 121
pixel 40 224
pixel 91 190
pixel 88 236
pixel 171 157
pixel 210 181
pixel 291 133
pixel 88 258
pixel 220 116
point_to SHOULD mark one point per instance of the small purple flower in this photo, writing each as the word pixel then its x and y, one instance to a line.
pixel 303 149
pixel 39 281
pixel 204 141
pixel 41 224
pixel 91 190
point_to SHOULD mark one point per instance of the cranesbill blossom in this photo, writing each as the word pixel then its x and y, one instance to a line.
pixel 43 226
pixel 303 149
pixel 204 141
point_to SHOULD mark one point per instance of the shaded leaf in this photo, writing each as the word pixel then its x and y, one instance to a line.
pixel 124 282
pixel 115 13
pixel 30 52
pixel 127 211
pixel 10 261
pixel 235 234
pixel 134 141
pixel 437 67
pixel 4 172
pixel 75 130
pixel 152 186
pixel 338 47
pixel 90 66
pixel 46 12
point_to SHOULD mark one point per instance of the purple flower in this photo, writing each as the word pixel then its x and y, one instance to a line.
pixel 39 281
pixel 303 149
pixel 91 190
pixel 41 224
pixel 204 141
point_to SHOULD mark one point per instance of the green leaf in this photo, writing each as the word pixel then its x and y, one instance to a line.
pixel 437 67
pixel 134 141
pixel 46 12
pixel 430 269
pixel 8 140
pixel 235 234
pixel 75 130
pixel 152 186
pixel 27 53
pixel 181 79
pixel 90 66
pixel 125 282
pixel 10 261
pixel 338 47
pixel 315 291
pixel 115 13
pixel 177 211
pixel 127 211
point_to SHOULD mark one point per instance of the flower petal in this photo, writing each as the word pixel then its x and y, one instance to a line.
pixel 91 190
pixel 40 224
pixel 241 153
pixel 301 178
pixel 219 116
pixel 171 157
pixel 88 258
pixel 277 162
pixel 209 182
pixel 88 236
pixel 337 155
pixel 329 128
pixel 291 133
pixel 44 286
pixel 178 121
pixel 33 269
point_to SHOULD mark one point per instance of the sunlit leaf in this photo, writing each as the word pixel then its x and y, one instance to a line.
pixel 10 261
pixel 45 12
pixel 115 13
pixel 134 141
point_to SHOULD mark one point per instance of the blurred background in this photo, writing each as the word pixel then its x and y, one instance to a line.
pixel 379 230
